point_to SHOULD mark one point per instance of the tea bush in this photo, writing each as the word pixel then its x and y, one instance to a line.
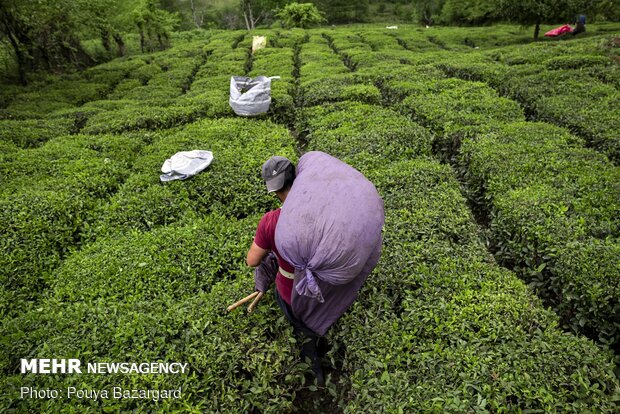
pixel 338 88
pixel 103 262
pixel 319 60
pixel 34 132
pixel 543 189
pixel 441 327
pixel 429 223
pixel 235 361
pixel 113 72
pixel 446 106
pixel 277 62
pixel 231 184
pixel 47 198
pixel 138 267
pixel 591 267
pixel 345 129
pixel 552 89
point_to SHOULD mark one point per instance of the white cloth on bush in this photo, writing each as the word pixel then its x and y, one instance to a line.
pixel 185 164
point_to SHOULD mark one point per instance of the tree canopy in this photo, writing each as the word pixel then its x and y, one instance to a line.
pixel 301 15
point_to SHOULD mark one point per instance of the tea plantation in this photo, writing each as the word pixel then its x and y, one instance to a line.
pixel 498 160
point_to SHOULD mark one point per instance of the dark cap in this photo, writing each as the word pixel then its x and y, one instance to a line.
pixel 274 172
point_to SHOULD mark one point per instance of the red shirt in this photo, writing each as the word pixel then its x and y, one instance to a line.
pixel 266 239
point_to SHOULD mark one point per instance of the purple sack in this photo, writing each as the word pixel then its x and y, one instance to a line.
pixel 330 224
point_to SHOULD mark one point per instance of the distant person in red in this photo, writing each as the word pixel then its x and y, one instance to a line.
pixel 580 25
pixel 279 175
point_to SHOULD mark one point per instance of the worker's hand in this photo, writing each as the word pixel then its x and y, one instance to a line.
pixel 256 296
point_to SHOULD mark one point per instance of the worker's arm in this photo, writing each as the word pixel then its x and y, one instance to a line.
pixel 255 255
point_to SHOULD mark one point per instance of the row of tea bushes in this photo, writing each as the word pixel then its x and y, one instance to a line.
pixel 61 94
pixel 449 107
pixel 322 73
pixel 159 296
pixel 151 103
pixel 319 60
pixel 350 128
pixel 560 97
pixel 162 91
pixel 277 62
pixel 231 184
pixel 550 82
pixel 439 327
pixel 416 41
pixel 55 93
pixel 386 49
pixel 47 201
pixel 210 89
pixel 546 198
pixel 34 132
pixel 287 38
pixel 320 86
pixel 543 190
pixel 460 334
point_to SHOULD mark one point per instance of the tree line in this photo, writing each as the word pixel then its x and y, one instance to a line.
pixel 48 34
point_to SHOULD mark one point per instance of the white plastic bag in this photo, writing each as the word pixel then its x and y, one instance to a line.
pixel 185 164
pixel 250 97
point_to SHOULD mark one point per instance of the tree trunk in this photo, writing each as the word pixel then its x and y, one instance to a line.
pixel 105 40
pixel 21 59
pixel 537 31
pixel 79 56
pixel 251 16
pixel 20 42
pixel 247 23
pixel 120 44
pixel 142 40
pixel 194 16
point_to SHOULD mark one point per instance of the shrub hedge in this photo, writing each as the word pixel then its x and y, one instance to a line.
pixel 231 184
pixel 543 190
pixel 277 62
pixel 552 89
pixel 47 200
pixel 447 106
pixel 346 129
pixel 235 361
pixel 33 132
pixel 440 328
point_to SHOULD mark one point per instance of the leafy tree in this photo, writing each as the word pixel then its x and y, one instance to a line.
pixel 469 11
pixel 301 15
pixel 153 23
pixel 43 34
pixel 343 11
pixel 426 11
pixel 537 12
pixel 255 11
pixel 107 19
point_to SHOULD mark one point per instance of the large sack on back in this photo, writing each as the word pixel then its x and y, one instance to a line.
pixel 330 224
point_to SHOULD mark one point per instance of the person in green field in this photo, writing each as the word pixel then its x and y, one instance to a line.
pixel 580 25
pixel 279 175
